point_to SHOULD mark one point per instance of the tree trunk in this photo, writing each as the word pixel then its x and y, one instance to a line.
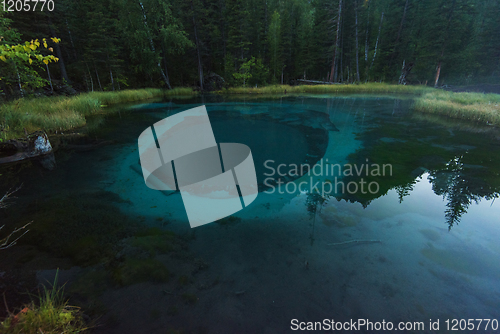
pixel 165 64
pixel 166 72
pixel 50 79
pixel 90 75
pixel 341 65
pixel 378 38
pixel 19 81
pixel 64 75
pixel 71 40
pixel 223 28
pixel 438 70
pixel 399 33
pixel 4 87
pixel 200 68
pixel 366 41
pixel 339 17
pixel 357 49
pixel 97 75
pixel 110 73
pixel 151 43
pixel 405 71
pixel 112 81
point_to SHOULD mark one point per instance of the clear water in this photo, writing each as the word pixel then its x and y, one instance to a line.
pixel 424 246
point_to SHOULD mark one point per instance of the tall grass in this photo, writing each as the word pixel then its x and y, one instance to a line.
pixel 478 107
pixel 51 314
pixel 64 113
pixel 367 88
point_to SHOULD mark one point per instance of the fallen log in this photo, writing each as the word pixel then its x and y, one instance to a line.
pixel 35 144
pixel 318 82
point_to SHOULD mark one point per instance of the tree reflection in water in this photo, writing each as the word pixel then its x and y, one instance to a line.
pixel 460 188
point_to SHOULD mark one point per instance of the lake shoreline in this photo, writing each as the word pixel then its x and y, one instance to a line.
pixel 61 114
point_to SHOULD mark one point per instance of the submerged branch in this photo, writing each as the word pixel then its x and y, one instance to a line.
pixel 354 242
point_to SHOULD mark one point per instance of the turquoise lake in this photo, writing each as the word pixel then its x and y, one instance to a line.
pixel 419 243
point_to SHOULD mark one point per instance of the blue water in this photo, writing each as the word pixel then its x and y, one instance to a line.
pixel 423 246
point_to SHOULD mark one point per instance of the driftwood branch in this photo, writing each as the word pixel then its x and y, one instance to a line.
pixel 10 192
pixel 5 242
pixel 354 242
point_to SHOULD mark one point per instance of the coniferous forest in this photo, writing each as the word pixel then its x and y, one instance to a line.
pixel 118 44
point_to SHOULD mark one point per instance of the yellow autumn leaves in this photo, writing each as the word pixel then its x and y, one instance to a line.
pixel 28 51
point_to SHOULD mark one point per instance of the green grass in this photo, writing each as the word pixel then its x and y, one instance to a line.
pixel 51 314
pixel 65 113
pixel 478 107
pixel 367 88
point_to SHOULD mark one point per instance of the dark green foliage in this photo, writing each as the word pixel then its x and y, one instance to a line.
pixel 171 43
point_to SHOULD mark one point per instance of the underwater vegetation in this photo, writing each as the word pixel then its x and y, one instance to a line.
pixel 154 240
pixel 228 221
pixel 82 226
pixel 133 271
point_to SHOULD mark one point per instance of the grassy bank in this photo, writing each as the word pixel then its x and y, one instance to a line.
pixel 64 113
pixel 367 88
pixel 478 107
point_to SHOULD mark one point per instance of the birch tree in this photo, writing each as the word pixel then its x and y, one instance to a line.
pixel 333 74
pixel 148 24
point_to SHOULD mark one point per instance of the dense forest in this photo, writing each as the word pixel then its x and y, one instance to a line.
pixel 117 44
